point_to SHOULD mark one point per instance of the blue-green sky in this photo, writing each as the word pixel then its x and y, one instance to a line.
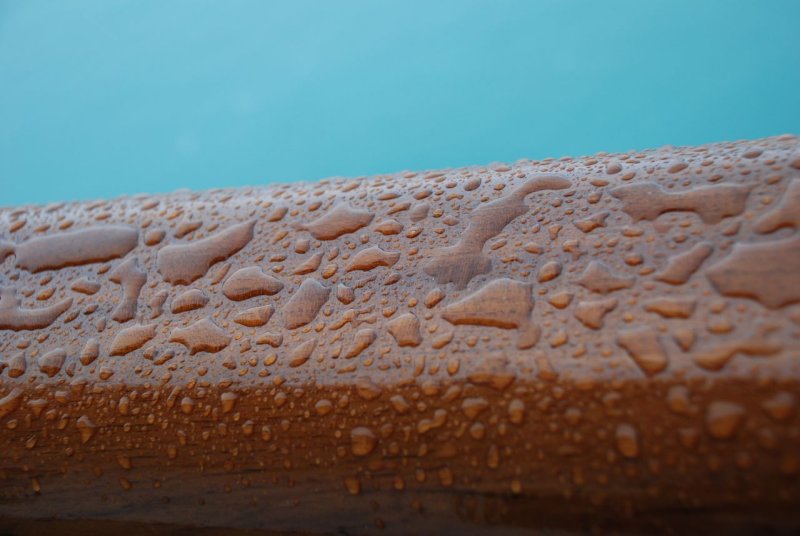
pixel 100 98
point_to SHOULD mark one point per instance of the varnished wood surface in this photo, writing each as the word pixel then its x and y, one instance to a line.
pixel 557 346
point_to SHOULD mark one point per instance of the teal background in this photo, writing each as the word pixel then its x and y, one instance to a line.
pixel 100 98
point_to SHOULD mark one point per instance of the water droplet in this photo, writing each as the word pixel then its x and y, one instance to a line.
pixel 362 441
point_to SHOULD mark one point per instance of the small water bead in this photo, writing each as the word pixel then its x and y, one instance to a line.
pixel 362 441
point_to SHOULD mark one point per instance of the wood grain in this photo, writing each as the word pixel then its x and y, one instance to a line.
pixel 573 344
